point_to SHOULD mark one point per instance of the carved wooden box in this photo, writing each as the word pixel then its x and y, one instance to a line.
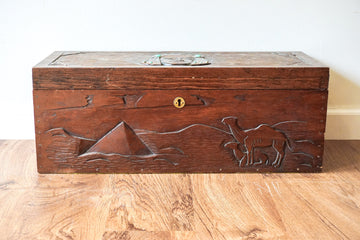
pixel 146 112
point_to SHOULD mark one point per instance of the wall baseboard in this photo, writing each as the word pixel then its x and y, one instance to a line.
pixel 343 124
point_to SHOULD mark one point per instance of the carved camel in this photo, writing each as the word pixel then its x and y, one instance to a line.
pixel 261 136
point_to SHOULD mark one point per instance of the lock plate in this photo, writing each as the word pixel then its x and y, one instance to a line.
pixel 179 102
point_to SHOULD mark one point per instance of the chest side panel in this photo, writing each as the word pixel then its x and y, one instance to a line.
pixel 140 131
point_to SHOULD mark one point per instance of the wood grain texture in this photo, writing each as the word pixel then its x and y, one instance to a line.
pixel 217 131
pixel 110 112
pixel 231 70
pixel 180 206
pixel 179 78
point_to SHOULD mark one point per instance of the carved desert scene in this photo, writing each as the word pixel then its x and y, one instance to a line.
pixel 262 147
pixel 141 131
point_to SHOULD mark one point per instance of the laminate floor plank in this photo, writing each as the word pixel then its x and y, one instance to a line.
pixel 180 206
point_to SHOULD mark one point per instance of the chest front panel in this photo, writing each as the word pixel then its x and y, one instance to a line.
pixel 142 131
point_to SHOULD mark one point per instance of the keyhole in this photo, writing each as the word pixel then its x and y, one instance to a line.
pixel 179 102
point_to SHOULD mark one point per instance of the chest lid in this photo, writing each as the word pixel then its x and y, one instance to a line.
pixel 180 70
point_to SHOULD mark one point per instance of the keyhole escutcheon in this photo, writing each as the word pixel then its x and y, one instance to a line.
pixel 179 102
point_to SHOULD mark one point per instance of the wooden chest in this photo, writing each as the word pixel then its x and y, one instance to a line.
pixel 146 112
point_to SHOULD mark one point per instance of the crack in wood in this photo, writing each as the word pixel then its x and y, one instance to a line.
pixel 54 62
pixel 89 101
pixel 205 100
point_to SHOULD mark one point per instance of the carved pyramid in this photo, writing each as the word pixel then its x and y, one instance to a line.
pixel 121 140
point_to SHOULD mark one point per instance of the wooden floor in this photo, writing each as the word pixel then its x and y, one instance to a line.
pixel 180 206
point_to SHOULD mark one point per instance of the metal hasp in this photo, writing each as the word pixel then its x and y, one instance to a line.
pixel 177 59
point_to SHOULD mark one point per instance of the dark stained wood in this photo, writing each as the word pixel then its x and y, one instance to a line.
pixel 232 70
pixel 214 132
pixel 245 112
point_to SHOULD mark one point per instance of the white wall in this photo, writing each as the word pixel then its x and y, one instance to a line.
pixel 326 30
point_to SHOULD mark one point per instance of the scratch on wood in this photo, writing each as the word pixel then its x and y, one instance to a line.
pixel 306 140
pixel 240 97
pixel 4 185
pixel 276 187
pixel 55 61
pixel 89 101
pixel 259 188
pixel 269 189
pixel 167 160
pixel 204 100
